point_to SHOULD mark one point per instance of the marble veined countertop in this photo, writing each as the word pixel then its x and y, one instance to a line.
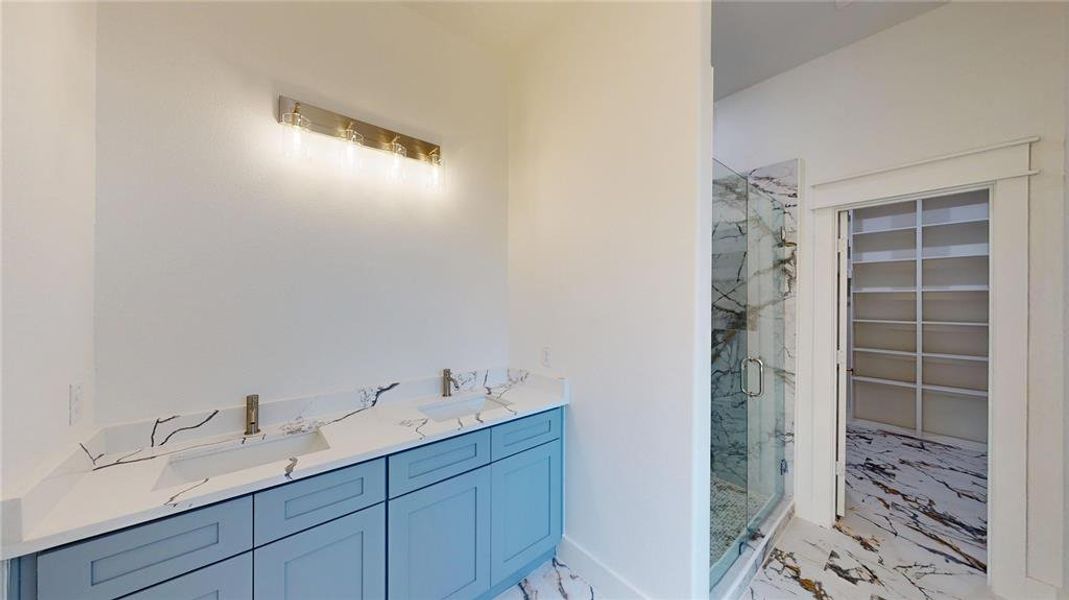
pixel 136 472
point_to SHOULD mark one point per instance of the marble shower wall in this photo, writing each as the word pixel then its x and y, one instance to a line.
pixel 749 299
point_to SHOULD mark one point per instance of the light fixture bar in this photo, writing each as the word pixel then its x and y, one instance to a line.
pixel 347 128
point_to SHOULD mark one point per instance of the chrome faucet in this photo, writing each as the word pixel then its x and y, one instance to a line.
pixel 447 382
pixel 252 414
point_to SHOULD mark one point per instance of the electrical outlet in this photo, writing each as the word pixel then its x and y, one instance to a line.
pixel 74 403
pixel 545 356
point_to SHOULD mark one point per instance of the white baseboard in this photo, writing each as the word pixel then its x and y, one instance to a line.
pixel 608 584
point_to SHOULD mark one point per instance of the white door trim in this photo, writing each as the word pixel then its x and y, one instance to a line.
pixel 1005 168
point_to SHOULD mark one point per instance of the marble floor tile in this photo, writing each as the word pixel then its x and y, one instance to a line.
pixel 915 528
pixel 552 581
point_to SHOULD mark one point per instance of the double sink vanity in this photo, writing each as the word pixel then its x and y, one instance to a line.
pixel 386 492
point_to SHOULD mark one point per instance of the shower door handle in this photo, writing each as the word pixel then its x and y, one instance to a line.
pixel 760 376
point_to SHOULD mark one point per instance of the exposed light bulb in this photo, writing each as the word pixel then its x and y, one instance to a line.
pixel 399 153
pixel 296 125
pixel 435 182
pixel 352 149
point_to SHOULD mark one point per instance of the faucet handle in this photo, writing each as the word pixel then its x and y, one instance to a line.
pixel 447 382
pixel 252 414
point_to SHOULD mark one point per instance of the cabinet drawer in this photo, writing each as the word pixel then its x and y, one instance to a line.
pixel 343 559
pixel 228 580
pixel 306 503
pixel 528 432
pixel 136 558
pixel 425 465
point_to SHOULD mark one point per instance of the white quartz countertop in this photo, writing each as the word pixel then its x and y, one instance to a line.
pixel 110 482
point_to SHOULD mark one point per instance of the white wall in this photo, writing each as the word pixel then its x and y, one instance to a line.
pixel 49 53
pixel 609 245
pixel 959 77
pixel 224 268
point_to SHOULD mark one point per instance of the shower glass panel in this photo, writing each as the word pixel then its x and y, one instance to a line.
pixel 746 450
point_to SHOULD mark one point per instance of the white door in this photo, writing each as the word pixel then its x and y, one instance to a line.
pixel 842 361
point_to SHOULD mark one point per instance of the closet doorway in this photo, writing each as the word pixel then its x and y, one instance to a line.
pixel 1003 170
pixel 914 347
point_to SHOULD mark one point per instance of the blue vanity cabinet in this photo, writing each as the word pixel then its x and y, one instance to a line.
pixel 527 506
pixel 440 540
pixel 457 519
pixel 340 559
pixel 227 580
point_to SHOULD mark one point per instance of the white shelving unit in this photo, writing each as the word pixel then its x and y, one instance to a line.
pixel 919 316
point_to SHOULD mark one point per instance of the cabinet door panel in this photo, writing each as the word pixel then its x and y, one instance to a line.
pixel 527 508
pixel 340 559
pixel 228 580
pixel 440 540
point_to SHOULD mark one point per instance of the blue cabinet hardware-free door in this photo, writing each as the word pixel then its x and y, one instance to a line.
pixel 526 500
pixel 133 559
pixel 296 506
pixel 440 540
pixel 344 559
pixel 227 580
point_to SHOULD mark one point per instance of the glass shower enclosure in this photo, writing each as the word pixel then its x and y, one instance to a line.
pixel 746 449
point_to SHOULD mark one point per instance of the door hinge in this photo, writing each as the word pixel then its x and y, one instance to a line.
pixel 840 469
pixel 843 245
pixel 840 357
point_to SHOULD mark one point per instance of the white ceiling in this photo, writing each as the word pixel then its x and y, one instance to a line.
pixel 753 41
pixel 501 26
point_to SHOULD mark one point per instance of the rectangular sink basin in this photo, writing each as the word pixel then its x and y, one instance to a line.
pixel 447 409
pixel 204 463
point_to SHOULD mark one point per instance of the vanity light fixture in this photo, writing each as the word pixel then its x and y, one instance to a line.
pixel 305 116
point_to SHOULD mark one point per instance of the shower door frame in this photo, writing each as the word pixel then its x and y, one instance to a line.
pixel 1006 168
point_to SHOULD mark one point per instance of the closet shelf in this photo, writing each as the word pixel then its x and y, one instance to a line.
pixel 884 351
pixel 877 261
pixel 880 380
pixel 956 323
pixel 955 288
pixel 954 390
pixel 887 230
pixel 964 255
pixel 960 222
pixel 884 290
pixel 940 355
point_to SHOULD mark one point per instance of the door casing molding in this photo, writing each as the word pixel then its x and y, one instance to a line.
pixel 1005 169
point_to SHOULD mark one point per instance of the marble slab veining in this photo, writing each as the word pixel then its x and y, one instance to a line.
pixel 116 478
pixel 915 528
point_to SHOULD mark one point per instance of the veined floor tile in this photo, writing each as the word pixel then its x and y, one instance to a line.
pixel 552 581
pixel 915 527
